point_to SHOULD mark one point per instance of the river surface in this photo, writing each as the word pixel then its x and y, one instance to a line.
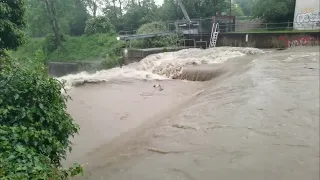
pixel 248 114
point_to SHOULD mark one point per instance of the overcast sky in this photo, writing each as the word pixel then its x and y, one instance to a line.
pixel 159 2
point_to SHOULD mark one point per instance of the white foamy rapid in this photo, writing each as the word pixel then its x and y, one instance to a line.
pixel 161 66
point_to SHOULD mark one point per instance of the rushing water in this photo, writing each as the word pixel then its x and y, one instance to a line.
pixel 256 116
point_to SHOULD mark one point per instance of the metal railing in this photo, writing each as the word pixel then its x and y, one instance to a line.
pixel 265 27
pixel 241 26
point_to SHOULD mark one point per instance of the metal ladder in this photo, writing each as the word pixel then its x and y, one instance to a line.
pixel 214 35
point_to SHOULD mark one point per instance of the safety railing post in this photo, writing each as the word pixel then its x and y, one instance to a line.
pixel 266 26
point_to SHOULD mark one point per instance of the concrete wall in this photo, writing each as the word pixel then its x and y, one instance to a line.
pixel 307 14
pixel 269 40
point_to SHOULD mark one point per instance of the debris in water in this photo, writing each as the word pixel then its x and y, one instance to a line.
pixel 158 87
pixel 162 152
pixel 125 116
pixel 184 127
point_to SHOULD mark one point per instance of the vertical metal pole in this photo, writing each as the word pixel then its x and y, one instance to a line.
pixel 267 26
pixel 200 25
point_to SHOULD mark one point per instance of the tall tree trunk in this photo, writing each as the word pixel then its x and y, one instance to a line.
pixel 114 8
pixel 94 8
pixel 120 6
pixel 54 22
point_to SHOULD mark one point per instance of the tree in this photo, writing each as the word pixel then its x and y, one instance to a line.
pixel 93 6
pixel 170 9
pixel 34 124
pixel 246 6
pixel 51 9
pixel 79 16
pixel 156 27
pixel 236 10
pixel 37 16
pixel 71 16
pixel 100 24
pixel 274 10
pixel 12 23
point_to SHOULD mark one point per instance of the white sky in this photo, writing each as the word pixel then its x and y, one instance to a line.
pixel 159 2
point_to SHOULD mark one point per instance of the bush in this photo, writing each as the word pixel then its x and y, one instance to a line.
pixel 112 61
pixel 153 27
pixel 100 24
pixel 34 125
pixel 50 44
pixel 156 27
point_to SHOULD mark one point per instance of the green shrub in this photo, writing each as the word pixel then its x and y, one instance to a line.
pixel 34 124
pixel 155 27
pixel 112 61
pixel 50 44
pixel 81 48
pixel 98 25
pixel 165 41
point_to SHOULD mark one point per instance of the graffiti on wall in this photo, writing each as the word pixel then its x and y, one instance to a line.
pixel 312 18
pixel 307 18
pixel 300 41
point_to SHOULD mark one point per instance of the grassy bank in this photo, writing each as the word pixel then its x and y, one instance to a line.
pixel 97 47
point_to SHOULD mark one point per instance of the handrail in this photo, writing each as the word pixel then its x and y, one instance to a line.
pixel 217 28
pixel 213 26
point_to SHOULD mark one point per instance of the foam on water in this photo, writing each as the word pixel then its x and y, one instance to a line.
pixel 161 66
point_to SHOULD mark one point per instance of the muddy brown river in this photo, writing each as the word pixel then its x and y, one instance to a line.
pixel 257 118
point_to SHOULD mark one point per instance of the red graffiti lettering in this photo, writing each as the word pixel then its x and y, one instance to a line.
pixel 300 41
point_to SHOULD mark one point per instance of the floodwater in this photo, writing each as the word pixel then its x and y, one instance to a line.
pixel 247 115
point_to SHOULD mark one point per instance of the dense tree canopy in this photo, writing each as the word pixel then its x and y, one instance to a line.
pixel 34 125
pixel 69 16
pixel 245 6
pixel 274 10
pixel 12 23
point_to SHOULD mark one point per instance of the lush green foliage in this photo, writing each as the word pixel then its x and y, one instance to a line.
pixel 246 6
pixel 11 23
pixel 84 48
pixel 154 27
pixel 123 14
pixel 71 15
pixel 135 16
pixel 108 16
pixel 236 10
pixel 201 8
pixel 50 44
pixel 34 125
pixel 97 25
pixel 78 19
pixel 274 10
